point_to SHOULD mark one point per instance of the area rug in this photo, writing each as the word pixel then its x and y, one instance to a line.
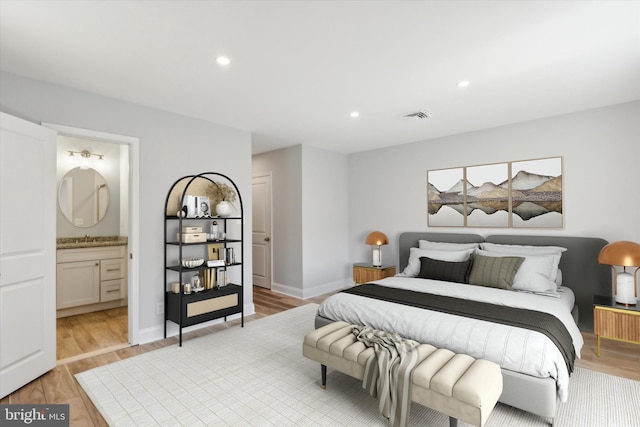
pixel 257 376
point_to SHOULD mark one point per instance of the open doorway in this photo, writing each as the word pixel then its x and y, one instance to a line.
pixel 96 274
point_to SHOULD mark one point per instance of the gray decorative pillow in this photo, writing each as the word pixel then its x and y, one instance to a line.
pixel 494 272
pixel 447 271
pixel 534 275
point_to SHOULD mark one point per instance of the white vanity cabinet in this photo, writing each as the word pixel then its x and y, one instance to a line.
pixel 92 275
pixel 78 283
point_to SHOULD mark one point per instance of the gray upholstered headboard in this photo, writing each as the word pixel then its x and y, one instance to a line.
pixel 579 264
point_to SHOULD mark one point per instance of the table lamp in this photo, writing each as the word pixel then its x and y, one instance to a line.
pixel 624 254
pixel 376 239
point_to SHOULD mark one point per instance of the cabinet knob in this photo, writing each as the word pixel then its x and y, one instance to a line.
pixel 97 264
pixel 267 239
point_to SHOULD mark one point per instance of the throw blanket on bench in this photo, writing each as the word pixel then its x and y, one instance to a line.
pixel 529 319
pixel 388 371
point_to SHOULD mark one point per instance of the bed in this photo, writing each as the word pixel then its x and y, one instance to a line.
pixel 535 375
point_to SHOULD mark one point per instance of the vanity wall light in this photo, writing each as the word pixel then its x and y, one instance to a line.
pixel 85 157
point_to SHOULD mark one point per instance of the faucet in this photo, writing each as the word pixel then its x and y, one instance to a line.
pixel 86 238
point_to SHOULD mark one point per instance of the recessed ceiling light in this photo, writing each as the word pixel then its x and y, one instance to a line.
pixel 223 60
pixel 463 83
pixel 354 114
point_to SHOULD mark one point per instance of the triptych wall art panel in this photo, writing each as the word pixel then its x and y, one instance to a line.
pixel 521 194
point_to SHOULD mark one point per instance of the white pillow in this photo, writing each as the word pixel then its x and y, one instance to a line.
pixel 559 278
pixel 535 273
pixel 445 246
pixel 413 266
pixel 522 249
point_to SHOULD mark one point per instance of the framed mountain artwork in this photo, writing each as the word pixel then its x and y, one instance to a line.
pixel 487 195
pixel 520 194
pixel 445 198
pixel 536 193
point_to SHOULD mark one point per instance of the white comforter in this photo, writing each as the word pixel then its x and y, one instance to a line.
pixel 515 349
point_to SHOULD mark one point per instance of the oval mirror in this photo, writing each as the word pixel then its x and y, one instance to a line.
pixel 83 197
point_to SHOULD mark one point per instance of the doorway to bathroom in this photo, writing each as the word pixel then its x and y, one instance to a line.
pixel 96 289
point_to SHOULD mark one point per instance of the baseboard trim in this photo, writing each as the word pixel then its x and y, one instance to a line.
pixel 311 292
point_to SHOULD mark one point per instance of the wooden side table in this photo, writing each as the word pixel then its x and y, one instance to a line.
pixel 615 321
pixel 366 272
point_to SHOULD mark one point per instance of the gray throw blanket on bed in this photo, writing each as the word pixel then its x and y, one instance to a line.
pixel 387 374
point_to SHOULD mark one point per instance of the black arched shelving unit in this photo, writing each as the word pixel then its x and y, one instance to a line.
pixel 214 302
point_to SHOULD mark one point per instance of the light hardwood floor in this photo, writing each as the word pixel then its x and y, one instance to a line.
pixel 59 385
pixel 89 334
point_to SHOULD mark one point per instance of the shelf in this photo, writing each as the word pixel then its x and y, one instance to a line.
pixel 207 293
pixel 202 267
pixel 175 218
pixel 208 242
pixel 196 307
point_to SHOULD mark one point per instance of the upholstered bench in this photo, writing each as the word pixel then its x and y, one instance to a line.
pixel 455 384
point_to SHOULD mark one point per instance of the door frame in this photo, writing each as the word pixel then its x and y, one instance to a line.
pixel 133 279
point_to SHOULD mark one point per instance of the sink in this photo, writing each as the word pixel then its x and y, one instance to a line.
pixel 90 242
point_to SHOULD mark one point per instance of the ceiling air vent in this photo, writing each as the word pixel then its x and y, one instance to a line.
pixel 422 114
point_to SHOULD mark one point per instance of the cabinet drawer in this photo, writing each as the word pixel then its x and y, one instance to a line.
pixel 212 304
pixel 112 269
pixel 111 290
pixel 88 254
pixel 369 274
pixel 619 324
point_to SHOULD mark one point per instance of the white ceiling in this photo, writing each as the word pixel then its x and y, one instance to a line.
pixel 300 67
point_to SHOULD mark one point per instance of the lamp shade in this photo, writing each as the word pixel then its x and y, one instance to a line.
pixel 622 253
pixel 377 238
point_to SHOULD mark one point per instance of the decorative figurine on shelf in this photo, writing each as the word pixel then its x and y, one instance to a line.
pixel 182 212
pixel 196 284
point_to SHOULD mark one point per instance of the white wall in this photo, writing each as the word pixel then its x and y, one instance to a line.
pixel 310 232
pixel 171 146
pixel 601 153
pixel 286 242
pixel 324 221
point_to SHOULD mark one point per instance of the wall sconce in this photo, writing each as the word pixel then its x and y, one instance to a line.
pixel 85 157
pixel 624 254
pixel 376 239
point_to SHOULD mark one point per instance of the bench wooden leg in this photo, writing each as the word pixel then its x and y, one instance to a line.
pixel 323 369
pixel 453 422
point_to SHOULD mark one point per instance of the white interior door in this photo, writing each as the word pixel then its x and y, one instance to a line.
pixel 27 252
pixel 261 202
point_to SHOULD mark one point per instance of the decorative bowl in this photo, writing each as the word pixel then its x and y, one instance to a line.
pixel 192 262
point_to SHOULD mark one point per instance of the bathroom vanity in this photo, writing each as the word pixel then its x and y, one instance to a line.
pixel 91 274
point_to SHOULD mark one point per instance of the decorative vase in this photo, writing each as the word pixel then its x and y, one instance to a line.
pixel 224 208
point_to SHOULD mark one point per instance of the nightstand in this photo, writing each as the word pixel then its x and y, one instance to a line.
pixel 366 272
pixel 615 321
